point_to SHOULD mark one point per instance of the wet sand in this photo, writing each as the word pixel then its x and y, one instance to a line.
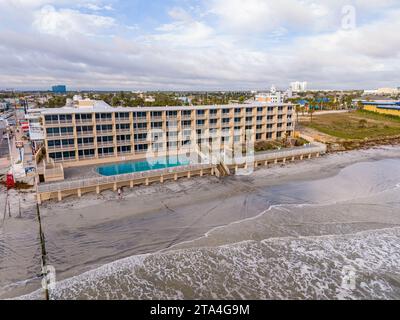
pixel 286 203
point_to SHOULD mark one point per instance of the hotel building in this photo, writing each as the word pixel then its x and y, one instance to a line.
pixel 92 132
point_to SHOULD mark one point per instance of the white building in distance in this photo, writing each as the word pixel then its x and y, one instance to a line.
pixel 298 86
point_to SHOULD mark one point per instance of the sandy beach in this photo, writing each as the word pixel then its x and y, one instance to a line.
pixel 342 195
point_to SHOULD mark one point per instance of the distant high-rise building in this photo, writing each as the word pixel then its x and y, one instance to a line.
pixel 298 86
pixel 59 89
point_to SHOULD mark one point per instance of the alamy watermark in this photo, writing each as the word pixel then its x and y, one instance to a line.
pixel 349 18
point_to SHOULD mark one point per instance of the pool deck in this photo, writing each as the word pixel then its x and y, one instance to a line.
pixel 82 180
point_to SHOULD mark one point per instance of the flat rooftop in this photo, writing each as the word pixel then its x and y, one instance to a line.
pixel 103 107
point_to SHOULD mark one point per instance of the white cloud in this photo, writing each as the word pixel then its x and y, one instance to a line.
pixel 65 22
pixel 219 47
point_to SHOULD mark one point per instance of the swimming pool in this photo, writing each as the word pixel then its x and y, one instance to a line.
pixel 145 165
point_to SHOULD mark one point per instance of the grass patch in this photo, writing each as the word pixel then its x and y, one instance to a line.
pixel 356 125
pixel 268 145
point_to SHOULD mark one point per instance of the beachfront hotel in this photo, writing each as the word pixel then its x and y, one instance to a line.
pixel 92 132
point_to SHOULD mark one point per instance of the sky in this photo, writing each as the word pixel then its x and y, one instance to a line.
pixel 199 44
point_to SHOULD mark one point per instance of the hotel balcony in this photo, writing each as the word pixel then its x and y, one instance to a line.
pixel 186 117
pixel 86 146
pixel 106 155
pixel 122 153
pixel 85 133
pixel 122 131
pixel 60 135
pixel 122 120
pixel 83 121
pixel 87 157
pixel 57 122
pixel 124 143
pixel 104 121
pixel 105 144
pixel 61 148
pixel 156 119
pixel 140 130
pixel 105 132
pixel 140 119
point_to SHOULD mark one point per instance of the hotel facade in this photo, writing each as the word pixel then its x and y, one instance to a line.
pixel 92 132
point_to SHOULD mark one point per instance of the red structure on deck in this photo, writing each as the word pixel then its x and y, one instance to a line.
pixel 10 182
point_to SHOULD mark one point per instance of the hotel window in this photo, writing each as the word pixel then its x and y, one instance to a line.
pixel 270 109
pixel 238 120
pixel 65 117
pixel 123 126
pixel 56 155
pixel 68 142
pixel 200 112
pixel 141 136
pixel 258 136
pixel 260 118
pixel 279 134
pixel 104 128
pixel 86 153
pixel 186 123
pixel 238 110
pixel 141 147
pixel 83 141
pixel 124 149
pixel 84 129
pixel 290 108
pixel 259 109
pixel 269 135
pixel 126 138
pixel 54 143
pixel 200 122
pixel 103 116
pixel 139 115
pixel 249 118
pixel 213 111
pixel 172 113
pixel 53 118
pixel 213 121
pixel 187 112
pixel 106 139
pixel 53 131
pixel 155 125
pixel 225 111
pixel 270 118
pixel 68 155
pixel 226 120
pixel 140 125
pixel 67 130
pixel 259 126
pixel 156 114
pixel 249 127
pixel 106 151
pixel 270 126
pixel 83 117
pixel 249 110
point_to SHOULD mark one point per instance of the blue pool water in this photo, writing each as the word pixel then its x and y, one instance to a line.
pixel 145 165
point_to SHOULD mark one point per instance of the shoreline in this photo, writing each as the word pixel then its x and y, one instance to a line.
pixel 162 217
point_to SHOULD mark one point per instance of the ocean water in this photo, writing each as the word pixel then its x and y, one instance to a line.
pixel 311 237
